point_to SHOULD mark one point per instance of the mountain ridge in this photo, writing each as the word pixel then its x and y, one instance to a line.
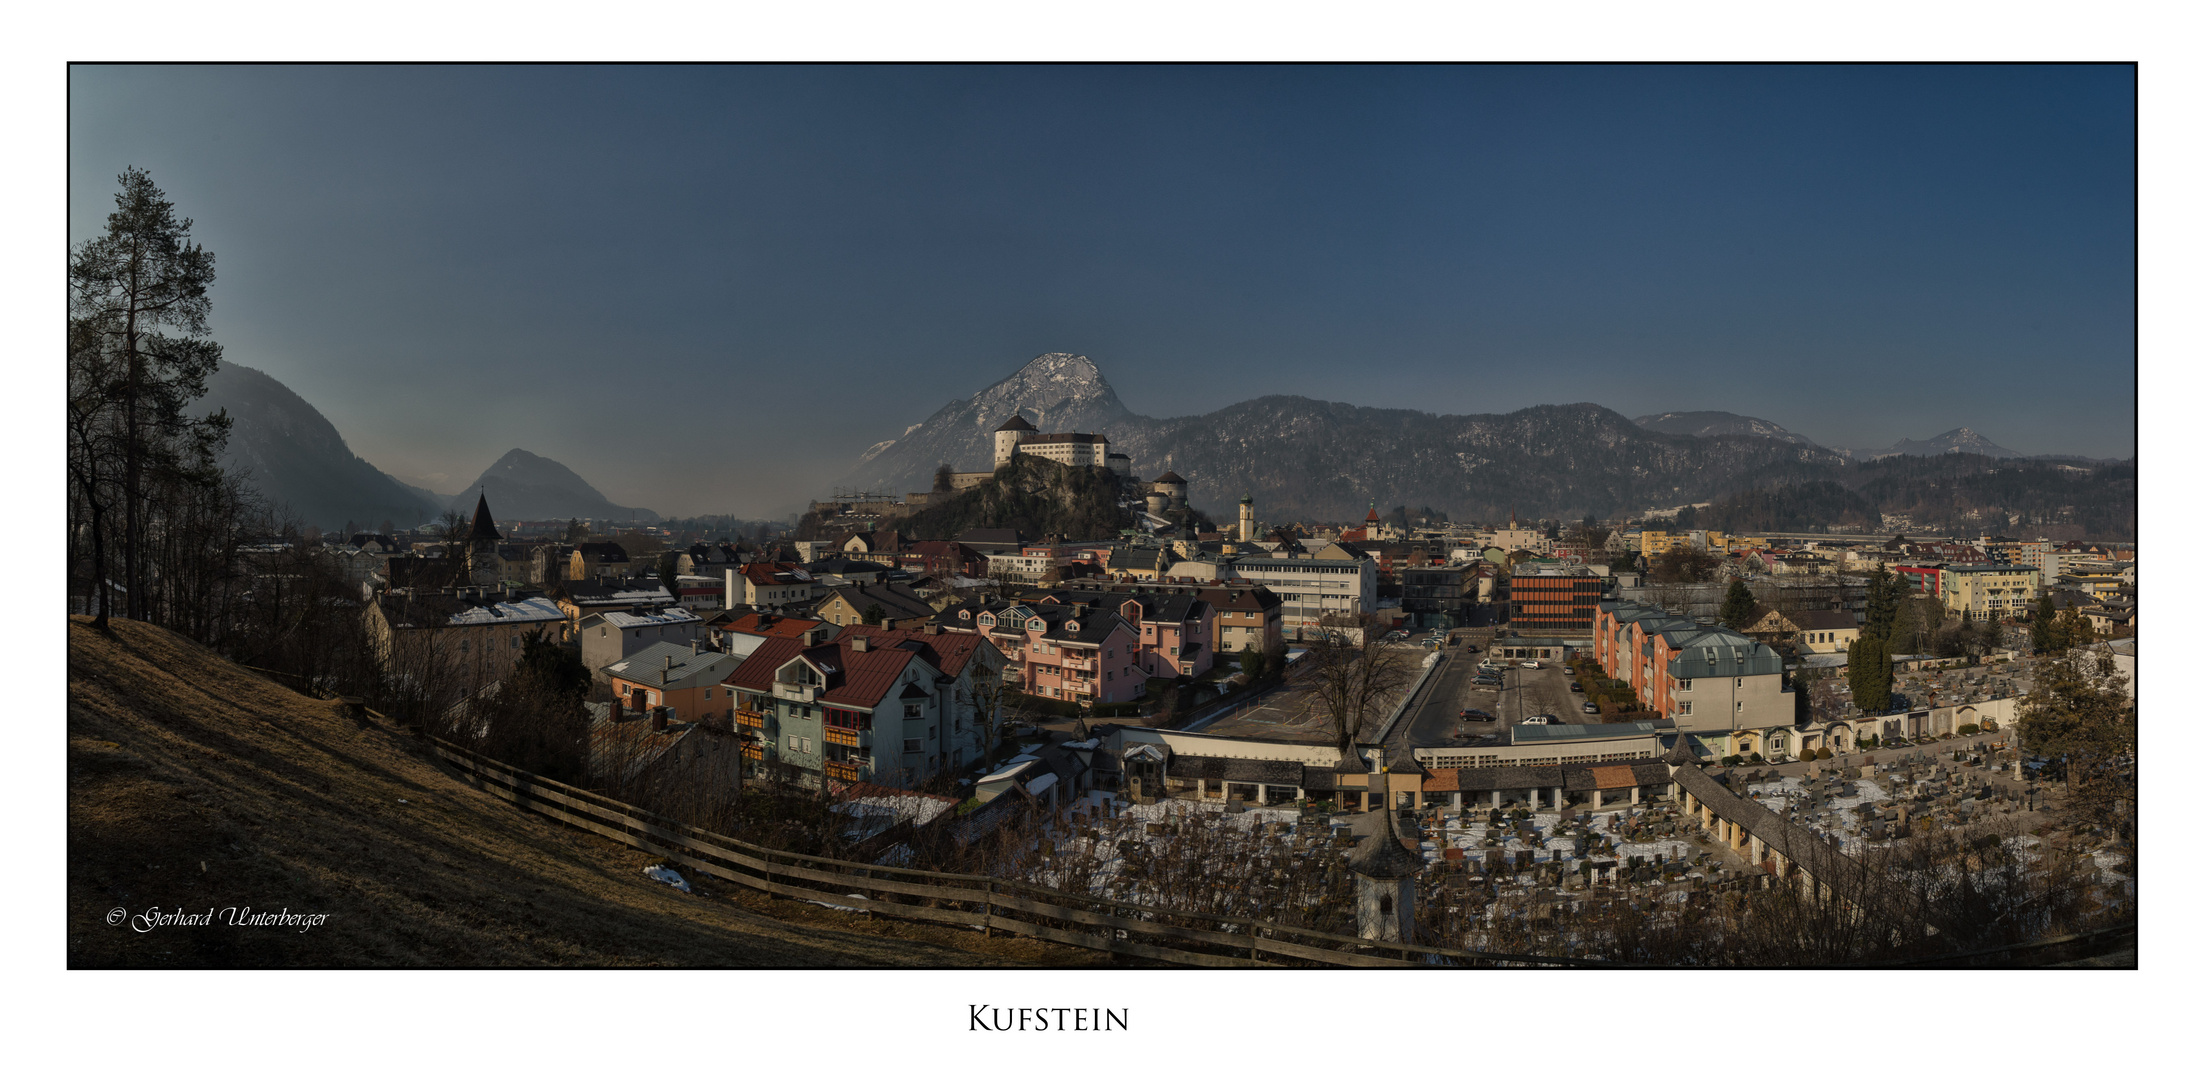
pixel 298 460
pixel 521 486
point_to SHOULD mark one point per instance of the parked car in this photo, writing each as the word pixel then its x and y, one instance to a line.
pixel 1575 687
pixel 1541 720
pixel 1475 714
pixel 1590 707
pixel 1534 664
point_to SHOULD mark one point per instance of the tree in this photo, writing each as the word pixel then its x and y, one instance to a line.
pixel 1740 606
pixel 873 615
pixel 1870 674
pixel 2077 711
pixel 138 311
pixel 669 579
pixel 1882 598
pixel 576 531
pixel 2043 624
pixel 942 478
pixel 1353 674
pixel 1252 663
pixel 1682 565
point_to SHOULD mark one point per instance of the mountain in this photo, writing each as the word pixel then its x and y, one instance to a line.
pixel 1055 391
pixel 524 487
pixel 294 456
pixel 1717 423
pixel 1306 459
pixel 1962 440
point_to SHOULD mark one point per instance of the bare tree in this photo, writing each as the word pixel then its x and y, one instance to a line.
pixel 1353 674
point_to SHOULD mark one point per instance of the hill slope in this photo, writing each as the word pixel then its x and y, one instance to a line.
pixel 194 783
pixel 524 487
pixel 297 459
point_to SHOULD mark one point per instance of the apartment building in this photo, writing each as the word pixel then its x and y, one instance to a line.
pixel 1553 601
pixel 1981 591
pixel 1312 588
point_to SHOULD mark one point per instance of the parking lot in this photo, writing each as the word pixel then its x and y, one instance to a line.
pixel 1524 692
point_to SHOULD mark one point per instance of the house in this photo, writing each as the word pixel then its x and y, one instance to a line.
pixel 580 599
pixel 678 765
pixel 882 706
pixel 1248 618
pixel 608 636
pixel 1555 601
pixel 474 634
pixel 591 561
pixel 741 632
pixel 991 541
pixel 1704 678
pixel 894 605
pixel 943 559
pixel 1173 633
pixel 686 679
pixel 1311 585
pixel 780 586
pixel 1057 650
pixel 1807 631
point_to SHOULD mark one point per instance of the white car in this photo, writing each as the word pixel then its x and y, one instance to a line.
pixel 1534 664
pixel 1537 721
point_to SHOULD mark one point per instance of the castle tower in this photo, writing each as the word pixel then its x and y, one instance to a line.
pixel 1174 489
pixel 1246 528
pixel 483 541
pixel 1010 435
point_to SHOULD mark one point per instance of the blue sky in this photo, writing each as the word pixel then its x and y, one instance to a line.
pixel 709 289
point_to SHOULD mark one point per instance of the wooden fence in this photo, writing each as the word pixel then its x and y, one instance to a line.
pixel 966 901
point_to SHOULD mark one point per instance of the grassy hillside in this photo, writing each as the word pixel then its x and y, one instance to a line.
pixel 194 783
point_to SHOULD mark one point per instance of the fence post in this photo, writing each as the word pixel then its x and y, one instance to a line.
pixel 988 904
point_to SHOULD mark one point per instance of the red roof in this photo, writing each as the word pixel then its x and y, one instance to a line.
pixel 856 679
pixel 948 652
pixel 772 626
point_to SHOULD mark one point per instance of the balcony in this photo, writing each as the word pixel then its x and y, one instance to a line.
pixel 837 736
pixel 1079 665
pixel 796 691
pixel 841 770
pixel 754 752
pixel 750 719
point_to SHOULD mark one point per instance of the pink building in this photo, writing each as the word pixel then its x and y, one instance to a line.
pixel 1058 652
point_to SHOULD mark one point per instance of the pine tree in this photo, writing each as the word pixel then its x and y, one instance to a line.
pixel 2043 625
pixel 1870 674
pixel 1740 606
pixel 131 379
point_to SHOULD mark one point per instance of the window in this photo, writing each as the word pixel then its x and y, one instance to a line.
pixel 912 746
pixel 912 710
pixel 1738 683
pixel 708 693
pixel 1739 706
pixel 794 740
pixel 514 642
pixel 1686 708
pixel 601 631
pixel 1686 685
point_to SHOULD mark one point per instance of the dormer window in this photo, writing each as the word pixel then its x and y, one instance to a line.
pixel 1072 626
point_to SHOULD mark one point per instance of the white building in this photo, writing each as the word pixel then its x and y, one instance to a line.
pixel 1312 588
pixel 1017 436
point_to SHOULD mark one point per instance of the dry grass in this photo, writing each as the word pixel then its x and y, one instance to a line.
pixel 194 783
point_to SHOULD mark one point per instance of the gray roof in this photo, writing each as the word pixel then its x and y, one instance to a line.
pixel 1385 853
pixel 664 663
pixel 1712 653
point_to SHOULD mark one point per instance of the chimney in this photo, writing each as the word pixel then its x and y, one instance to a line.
pixel 858 644
pixel 666 664
pixel 693 646
pixel 659 718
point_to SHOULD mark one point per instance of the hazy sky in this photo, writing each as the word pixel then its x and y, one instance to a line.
pixel 710 289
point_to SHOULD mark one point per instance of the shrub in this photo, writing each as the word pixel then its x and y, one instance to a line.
pixel 1967 729
pixel 1730 760
pixel 1824 753
pixel 1989 726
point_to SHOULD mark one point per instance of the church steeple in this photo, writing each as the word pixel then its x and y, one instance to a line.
pixel 483 538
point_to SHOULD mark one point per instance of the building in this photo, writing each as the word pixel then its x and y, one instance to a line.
pixel 1706 679
pixel 483 562
pixel 1057 650
pixel 1173 633
pixel 779 586
pixel 592 561
pixel 879 706
pixel 1248 618
pixel 475 636
pixel 608 636
pixel 894 605
pixel 1553 602
pixel 1982 591
pixel 683 679
pixel 581 599
pixel 1808 631
pixel 1016 436
pixel 1310 587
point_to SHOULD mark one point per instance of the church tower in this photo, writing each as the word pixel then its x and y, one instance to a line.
pixel 483 541
pixel 1246 529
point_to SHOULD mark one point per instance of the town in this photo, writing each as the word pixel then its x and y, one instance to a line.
pixel 1530 731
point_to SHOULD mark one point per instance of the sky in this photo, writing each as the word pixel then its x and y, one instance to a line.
pixel 709 289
